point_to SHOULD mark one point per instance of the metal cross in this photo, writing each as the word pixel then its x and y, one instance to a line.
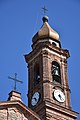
pixel 44 9
pixel 15 80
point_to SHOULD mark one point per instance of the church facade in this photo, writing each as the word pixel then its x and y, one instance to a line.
pixel 15 109
pixel 48 89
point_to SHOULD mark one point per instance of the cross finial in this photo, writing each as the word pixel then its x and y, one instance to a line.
pixel 44 9
pixel 15 80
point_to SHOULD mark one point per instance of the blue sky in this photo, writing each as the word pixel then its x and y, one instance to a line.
pixel 19 21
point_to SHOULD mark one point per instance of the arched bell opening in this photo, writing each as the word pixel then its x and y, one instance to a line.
pixel 37 73
pixel 56 75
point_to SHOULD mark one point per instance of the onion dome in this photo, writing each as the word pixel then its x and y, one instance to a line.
pixel 46 32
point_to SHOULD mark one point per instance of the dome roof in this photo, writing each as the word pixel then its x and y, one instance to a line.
pixel 46 32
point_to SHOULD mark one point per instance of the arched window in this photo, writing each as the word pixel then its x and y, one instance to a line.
pixel 37 73
pixel 54 44
pixel 56 72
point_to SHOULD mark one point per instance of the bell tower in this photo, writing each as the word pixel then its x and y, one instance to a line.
pixel 48 89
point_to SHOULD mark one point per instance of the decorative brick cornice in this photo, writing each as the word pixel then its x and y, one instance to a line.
pixel 22 106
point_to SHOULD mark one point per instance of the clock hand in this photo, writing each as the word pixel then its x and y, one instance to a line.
pixel 60 97
pixel 35 99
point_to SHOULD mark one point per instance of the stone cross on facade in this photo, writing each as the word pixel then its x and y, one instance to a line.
pixel 15 80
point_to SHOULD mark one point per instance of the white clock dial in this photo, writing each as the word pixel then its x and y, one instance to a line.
pixel 35 98
pixel 59 95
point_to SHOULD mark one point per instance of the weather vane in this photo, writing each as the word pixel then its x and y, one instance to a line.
pixel 15 80
pixel 45 10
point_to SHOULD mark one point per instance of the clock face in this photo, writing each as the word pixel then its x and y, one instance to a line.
pixel 35 98
pixel 59 96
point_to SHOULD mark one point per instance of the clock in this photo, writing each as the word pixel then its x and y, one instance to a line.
pixel 35 98
pixel 59 96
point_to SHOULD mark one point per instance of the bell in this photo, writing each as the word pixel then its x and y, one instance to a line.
pixel 38 77
pixel 56 72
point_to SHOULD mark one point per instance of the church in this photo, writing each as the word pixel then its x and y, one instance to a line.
pixel 48 89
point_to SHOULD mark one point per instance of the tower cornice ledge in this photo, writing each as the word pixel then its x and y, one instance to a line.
pixel 62 110
pixel 41 47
